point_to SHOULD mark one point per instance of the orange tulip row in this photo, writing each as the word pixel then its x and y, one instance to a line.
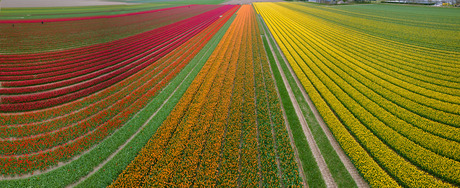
pixel 113 116
pixel 156 151
pixel 218 134
pixel 249 165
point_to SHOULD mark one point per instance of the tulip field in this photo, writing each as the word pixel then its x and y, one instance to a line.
pixel 267 94
pixel 221 131
pixel 394 112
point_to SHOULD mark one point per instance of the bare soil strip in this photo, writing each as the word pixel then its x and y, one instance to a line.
pixel 360 182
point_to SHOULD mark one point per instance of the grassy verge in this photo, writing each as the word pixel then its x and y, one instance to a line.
pixel 82 166
pixel 340 174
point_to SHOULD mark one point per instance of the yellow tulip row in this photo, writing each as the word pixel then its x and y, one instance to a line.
pixel 372 49
pixel 391 92
pixel 437 67
pixel 382 143
pixel 341 64
pixel 435 40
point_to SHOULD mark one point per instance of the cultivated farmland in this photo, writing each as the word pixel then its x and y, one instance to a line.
pixel 241 140
pixel 395 112
pixel 266 94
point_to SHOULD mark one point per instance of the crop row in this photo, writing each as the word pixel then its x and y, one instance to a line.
pixel 153 151
pixel 290 175
pixel 75 57
pixel 112 169
pixel 47 140
pixel 390 141
pixel 417 68
pixel 442 146
pixel 129 84
pixel 274 129
pixel 404 28
pixel 179 57
pixel 249 154
pixel 211 138
pixel 135 133
pixel 53 124
pixel 101 81
pixel 38 116
pixel 43 141
pixel 422 114
pixel 43 159
pixel 77 33
pixel 135 174
pixel 91 62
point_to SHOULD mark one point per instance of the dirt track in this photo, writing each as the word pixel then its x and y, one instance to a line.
pixel 234 2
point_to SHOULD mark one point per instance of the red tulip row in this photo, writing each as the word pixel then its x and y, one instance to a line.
pixel 90 56
pixel 44 141
pixel 77 33
pixel 32 101
pixel 153 153
pixel 211 136
pixel 106 63
pixel 42 159
pixel 65 109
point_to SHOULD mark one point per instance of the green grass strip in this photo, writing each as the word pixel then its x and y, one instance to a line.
pixel 82 166
pixel 340 174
